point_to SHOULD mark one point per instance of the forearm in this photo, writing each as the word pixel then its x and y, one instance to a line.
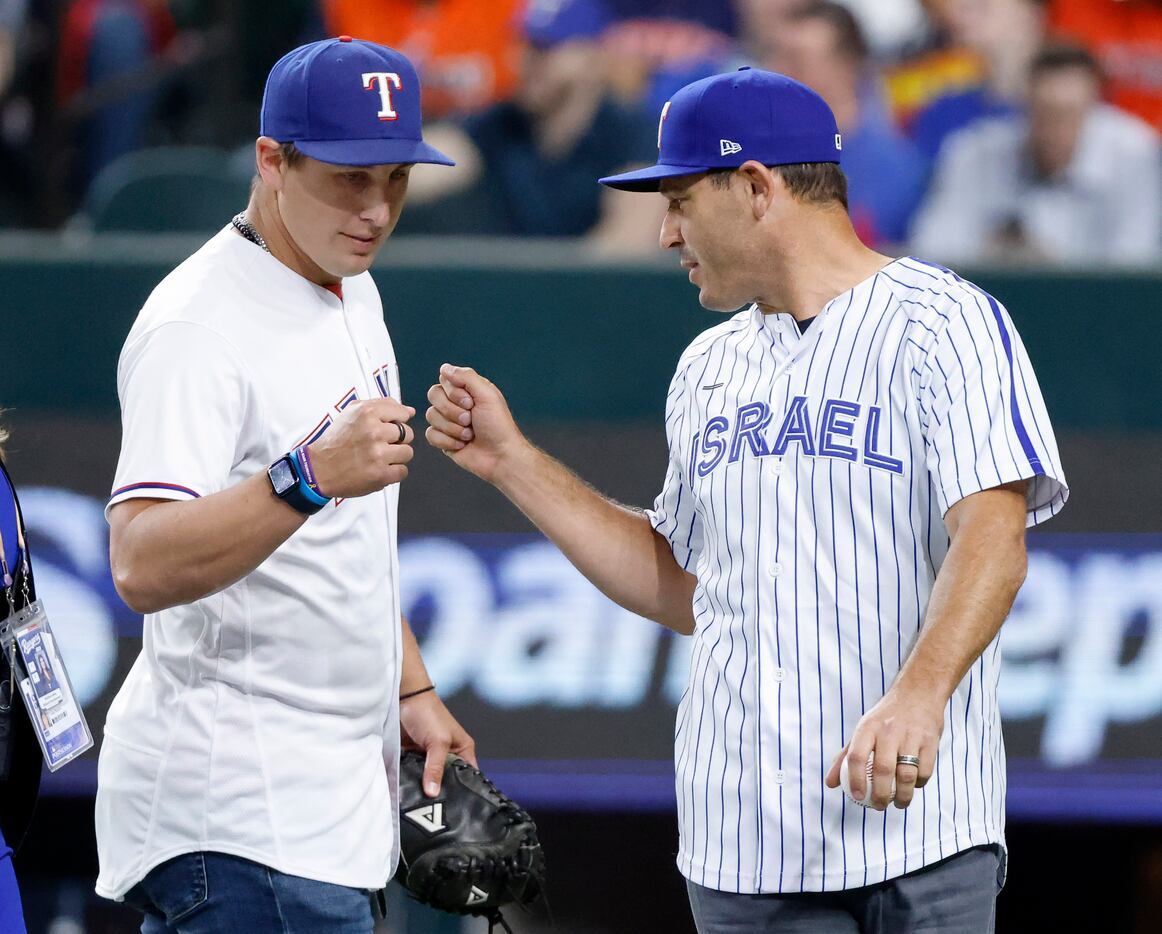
pixel 424 720
pixel 171 553
pixel 413 673
pixel 615 547
pixel 972 596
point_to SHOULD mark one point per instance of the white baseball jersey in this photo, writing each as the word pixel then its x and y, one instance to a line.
pixel 809 475
pixel 256 721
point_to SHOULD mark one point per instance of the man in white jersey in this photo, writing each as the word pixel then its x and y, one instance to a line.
pixel 853 461
pixel 242 782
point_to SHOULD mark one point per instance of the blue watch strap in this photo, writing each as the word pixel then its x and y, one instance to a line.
pixel 299 495
pixel 309 494
pixel 304 487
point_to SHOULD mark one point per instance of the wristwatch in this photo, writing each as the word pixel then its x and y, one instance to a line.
pixel 287 483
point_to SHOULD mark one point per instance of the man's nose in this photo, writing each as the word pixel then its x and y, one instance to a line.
pixel 671 235
pixel 378 212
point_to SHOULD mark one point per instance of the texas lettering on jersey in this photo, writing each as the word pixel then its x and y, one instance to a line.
pixel 351 395
pixel 725 439
pixel 382 383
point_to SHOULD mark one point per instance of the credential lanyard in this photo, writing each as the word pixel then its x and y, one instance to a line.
pixel 8 689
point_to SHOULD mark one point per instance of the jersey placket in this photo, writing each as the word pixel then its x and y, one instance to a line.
pixel 769 572
pixel 363 364
pixel 780 479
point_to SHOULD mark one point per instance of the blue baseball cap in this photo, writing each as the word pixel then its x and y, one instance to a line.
pixel 548 23
pixel 726 120
pixel 347 102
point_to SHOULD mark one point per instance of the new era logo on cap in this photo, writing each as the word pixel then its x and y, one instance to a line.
pixel 727 146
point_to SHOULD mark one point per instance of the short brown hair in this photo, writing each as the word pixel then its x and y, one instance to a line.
pixel 1061 56
pixel 291 154
pixel 810 182
pixel 849 37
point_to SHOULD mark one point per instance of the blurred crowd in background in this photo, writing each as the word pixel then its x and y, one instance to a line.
pixel 974 131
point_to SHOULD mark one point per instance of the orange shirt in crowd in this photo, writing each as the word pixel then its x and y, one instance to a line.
pixel 465 50
pixel 1126 36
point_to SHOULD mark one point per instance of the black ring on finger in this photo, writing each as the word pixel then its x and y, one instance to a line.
pixel 403 432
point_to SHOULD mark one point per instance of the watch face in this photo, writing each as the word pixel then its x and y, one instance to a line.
pixel 282 478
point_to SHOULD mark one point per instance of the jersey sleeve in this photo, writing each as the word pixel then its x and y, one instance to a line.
pixel 673 515
pixel 185 396
pixel 985 420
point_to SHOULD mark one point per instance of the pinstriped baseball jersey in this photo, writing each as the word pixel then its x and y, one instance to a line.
pixel 808 479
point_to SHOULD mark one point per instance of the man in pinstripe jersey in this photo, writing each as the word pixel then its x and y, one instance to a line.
pixel 854 459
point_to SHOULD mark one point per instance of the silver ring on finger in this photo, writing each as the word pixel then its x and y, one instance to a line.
pixel 908 760
pixel 403 433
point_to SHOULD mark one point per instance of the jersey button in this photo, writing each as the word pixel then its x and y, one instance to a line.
pixel 780 674
pixel 776 570
pixel 775 466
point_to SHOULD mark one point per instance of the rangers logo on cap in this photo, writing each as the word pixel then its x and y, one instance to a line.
pixel 382 81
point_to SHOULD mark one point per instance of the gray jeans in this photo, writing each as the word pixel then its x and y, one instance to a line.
pixel 958 895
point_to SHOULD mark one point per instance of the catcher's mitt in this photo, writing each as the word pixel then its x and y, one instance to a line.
pixel 469 850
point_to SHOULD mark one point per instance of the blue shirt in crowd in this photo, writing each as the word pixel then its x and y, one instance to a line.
pixel 952 112
pixel 886 178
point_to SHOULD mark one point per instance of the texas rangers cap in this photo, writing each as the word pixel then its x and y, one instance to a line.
pixel 726 120
pixel 348 102
pixel 547 23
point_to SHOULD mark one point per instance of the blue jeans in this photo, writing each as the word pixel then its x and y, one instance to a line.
pixel 955 896
pixel 212 893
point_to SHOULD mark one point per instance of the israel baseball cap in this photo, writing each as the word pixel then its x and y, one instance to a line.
pixel 726 120
pixel 547 23
pixel 347 102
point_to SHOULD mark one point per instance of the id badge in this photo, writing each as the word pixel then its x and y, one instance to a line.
pixel 56 716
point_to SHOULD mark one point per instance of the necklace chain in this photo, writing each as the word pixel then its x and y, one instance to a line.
pixel 244 227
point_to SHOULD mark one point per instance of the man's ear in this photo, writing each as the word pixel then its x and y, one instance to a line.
pixel 759 185
pixel 269 162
